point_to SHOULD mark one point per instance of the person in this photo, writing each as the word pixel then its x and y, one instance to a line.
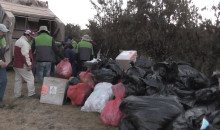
pixel 73 42
pixel 84 51
pixel 95 48
pixel 23 64
pixel 57 58
pixel 3 76
pixel 34 57
pixel 71 55
pixel 45 49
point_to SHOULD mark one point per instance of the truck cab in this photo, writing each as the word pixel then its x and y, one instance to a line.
pixel 18 17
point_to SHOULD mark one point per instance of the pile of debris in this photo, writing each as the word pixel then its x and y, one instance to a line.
pixel 169 95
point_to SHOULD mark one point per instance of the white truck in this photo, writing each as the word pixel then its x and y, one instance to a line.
pixel 19 15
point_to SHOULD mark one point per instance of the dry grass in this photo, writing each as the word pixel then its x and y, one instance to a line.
pixel 30 114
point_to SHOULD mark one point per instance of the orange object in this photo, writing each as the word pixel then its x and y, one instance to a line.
pixel 44 89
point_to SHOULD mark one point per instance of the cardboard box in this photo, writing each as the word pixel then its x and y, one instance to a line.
pixel 125 57
pixel 53 90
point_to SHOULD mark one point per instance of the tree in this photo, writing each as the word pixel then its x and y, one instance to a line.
pixel 73 31
pixel 160 29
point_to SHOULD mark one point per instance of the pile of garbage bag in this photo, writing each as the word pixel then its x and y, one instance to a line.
pixel 168 95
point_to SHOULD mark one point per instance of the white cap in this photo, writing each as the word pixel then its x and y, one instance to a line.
pixel 30 33
pixel 3 28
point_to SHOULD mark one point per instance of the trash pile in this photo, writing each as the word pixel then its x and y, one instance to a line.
pixel 165 95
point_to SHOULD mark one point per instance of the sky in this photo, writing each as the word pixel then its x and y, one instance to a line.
pixel 80 11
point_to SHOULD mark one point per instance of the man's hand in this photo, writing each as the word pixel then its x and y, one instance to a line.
pixel 3 64
pixel 29 68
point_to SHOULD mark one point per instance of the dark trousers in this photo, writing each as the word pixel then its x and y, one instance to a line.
pixel 52 70
pixel 3 82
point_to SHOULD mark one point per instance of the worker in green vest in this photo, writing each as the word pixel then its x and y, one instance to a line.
pixel 3 76
pixel 84 51
pixel 73 42
pixel 45 52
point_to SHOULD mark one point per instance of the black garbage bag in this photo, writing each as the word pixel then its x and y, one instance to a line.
pixel 143 63
pixel 167 70
pixel 125 124
pixel 153 86
pixel 192 78
pixel 137 71
pixel 73 81
pixel 111 64
pixel 192 118
pixel 105 75
pixel 169 86
pixel 185 69
pixel 115 67
pixel 185 97
pixel 149 112
pixel 208 95
pixel 213 81
pixel 214 120
pixel 103 63
pixel 130 89
pixel 134 85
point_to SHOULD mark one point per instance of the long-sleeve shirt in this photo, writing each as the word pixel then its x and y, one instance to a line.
pixel 22 53
pixel 22 43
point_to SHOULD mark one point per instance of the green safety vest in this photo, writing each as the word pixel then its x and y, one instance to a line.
pixel 74 43
pixel 3 42
pixel 44 51
pixel 43 40
pixel 2 48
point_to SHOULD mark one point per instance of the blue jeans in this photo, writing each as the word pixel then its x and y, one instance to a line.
pixel 3 82
pixel 43 70
pixel 52 70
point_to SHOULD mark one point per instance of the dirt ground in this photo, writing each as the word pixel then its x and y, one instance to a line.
pixel 30 114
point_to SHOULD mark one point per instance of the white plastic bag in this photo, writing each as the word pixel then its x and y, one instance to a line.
pixel 98 98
